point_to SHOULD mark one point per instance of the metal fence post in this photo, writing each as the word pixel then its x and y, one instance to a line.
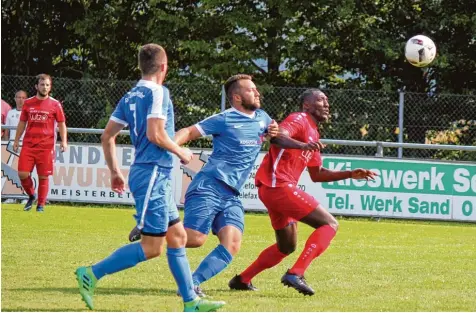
pixel 401 102
pixel 379 153
pixel 223 98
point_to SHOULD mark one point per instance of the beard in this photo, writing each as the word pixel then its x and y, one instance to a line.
pixel 250 106
pixel 320 118
pixel 43 94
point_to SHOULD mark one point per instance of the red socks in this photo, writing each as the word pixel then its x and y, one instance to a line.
pixel 315 245
pixel 42 191
pixel 27 185
pixel 270 257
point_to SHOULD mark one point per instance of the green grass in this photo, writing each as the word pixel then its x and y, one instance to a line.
pixel 370 266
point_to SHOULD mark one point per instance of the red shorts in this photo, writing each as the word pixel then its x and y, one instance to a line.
pixel 42 159
pixel 286 204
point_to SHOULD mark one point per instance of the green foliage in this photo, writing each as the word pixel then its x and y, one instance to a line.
pixel 297 43
pixel 282 43
pixel 425 113
pixel 462 132
pixel 35 37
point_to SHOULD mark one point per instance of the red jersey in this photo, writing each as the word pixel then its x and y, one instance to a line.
pixel 42 117
pixel 281 167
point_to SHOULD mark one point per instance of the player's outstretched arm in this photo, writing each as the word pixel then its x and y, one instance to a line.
pixel 324 175
pixel 187 134
pixel 157 134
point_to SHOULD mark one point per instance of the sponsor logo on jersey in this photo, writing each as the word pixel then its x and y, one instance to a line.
pixel 131 94
pixel 38 117
pixel 250 142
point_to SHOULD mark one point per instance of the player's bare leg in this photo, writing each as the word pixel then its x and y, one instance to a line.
pixel 230 237
pixel 286 240
pixel 326 227
pixel 195 238
pixel 27 184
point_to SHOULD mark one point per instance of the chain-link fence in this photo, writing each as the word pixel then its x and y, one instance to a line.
pixel 356 114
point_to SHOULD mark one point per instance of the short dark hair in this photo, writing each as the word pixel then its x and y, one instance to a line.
pixel 40 77
pixel 230 84
pixel 308 93
pixel 150 57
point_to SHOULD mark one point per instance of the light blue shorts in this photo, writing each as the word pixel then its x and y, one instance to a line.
pixel 212 204
pixel 155 205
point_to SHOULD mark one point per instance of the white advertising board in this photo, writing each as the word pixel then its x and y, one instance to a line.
pixel 403 189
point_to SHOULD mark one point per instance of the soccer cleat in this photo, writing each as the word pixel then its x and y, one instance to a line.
pixel 237 284
pixel 197 290
pixel 202 305
pixel 297 282
pixel 86 283
pixel 40 208
pixel 30 202
pixel 134 235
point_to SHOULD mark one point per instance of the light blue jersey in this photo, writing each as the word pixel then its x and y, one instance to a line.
pixel 211 200
pixel 237 140
pixel 146 100
pixel 150 173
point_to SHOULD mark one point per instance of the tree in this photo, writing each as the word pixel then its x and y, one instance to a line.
pixel 349 44
pixel 35 38
pixel 357 44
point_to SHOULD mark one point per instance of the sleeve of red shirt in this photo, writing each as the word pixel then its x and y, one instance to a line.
pixel 59 113
pixel 292 124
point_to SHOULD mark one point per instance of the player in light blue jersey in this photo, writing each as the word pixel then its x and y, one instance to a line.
pixel 212 199
pixel 148 111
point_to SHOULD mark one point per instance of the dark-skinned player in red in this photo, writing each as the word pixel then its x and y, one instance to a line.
pixel 277 179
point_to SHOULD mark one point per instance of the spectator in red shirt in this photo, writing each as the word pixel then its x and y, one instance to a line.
pixel 40 116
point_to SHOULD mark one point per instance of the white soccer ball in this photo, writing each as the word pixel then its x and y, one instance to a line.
pixel 420 51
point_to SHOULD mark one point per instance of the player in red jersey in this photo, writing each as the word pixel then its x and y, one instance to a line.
pixel 40 115
pixel 277 179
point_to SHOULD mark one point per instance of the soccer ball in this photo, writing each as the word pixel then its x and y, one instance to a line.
pixel 420 51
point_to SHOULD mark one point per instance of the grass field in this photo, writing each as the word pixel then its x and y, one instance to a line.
pixel 371 266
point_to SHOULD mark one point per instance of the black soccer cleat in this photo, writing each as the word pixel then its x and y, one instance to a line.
pixel 29 203
pixel 40 209
pixel 237 284
pixel 134 235
pixel 297 282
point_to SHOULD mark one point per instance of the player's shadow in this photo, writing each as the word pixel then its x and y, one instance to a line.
pixel 106 291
